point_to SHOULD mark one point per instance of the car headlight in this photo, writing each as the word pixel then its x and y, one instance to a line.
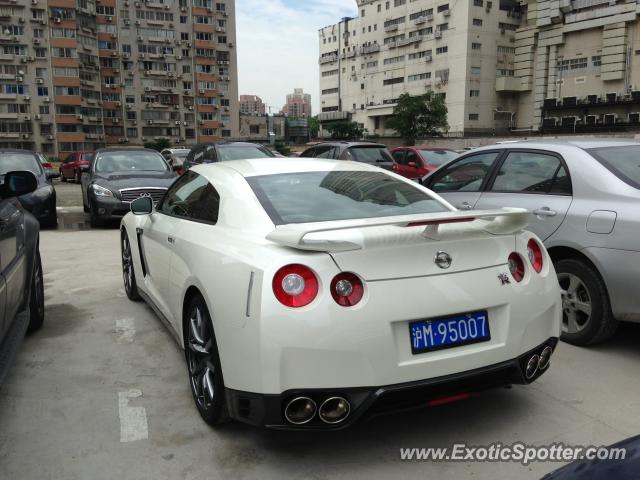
pixel 101 191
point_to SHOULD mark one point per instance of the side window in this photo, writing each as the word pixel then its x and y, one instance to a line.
pixel 192 197
pixel 413 157
pixel 166 155
pixel 465 175
pixel 69 158
pixel 210 154
pixel 324 152
pixel 530 172
pixel 198 155
pixel 399 156
pixel 309 153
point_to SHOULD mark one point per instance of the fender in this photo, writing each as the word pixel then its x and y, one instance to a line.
pixel 32 244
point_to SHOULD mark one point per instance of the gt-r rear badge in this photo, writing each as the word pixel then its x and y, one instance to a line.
pixel 443 260
pixel 504 279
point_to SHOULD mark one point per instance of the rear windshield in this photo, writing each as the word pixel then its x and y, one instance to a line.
pixel 242 152
pixel 438 157
pixel 368 154
pixel 87 157
pixel 10 162
pixel 624 162
pixel 338 195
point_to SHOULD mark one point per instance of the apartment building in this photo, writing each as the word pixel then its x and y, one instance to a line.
pixel 251 105
pixel 298 104
pixel 82 74
pixel 462 50
pixel 577 66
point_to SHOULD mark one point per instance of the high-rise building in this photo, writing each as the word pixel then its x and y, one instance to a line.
pixel 462 50
pixel 576 67
pixel 78 75
pixel 251 105
pixel 298 104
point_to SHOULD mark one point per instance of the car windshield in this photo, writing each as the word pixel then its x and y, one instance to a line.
pixel 87 157
pixel 624 162
pixel 368 154
pixel 124 161
pixel 338 195
pixel 242 152
pixel 438 157
pixel 10 162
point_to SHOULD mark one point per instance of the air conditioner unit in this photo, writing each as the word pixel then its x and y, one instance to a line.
pixel 114 54
pixel 437 34
pixel 137 22
pixel 428 58
pixel 144 139
pixel 79 117
pixel 184 123
pixel 36 41
pixel 147 72
pixel 38 116
pixel 43 22
pixel 201 122
pixel 135 122
pixel 178 57
pixel 128 106
pixel 127 22
pixel 150 122
pixel 31 59
pixel 166 7
pixel 57 20
pixel 109 19
pixel 99 102
pixel 27 118
pixel 187 92
pixel 21 20
pixel 23 60
pixel 177 122
pixel 27 98
pixel 446 12
pixel 141 55
pixel 26 135
pixel 183 9
pixel 47 99
pixel 116 120
pixel 19 79
pixel 39 81
pixel 201 91
pixel 190 107
pixel 503 31
pixel 118 104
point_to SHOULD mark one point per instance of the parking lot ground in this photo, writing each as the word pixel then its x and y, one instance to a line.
pixel 101 392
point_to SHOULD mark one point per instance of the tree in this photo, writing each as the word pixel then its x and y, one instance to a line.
pixel 159 144
pixel 314 127
pixel 419 116
pixel 345 130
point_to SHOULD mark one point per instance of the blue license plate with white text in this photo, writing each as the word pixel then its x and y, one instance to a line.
pixel 454 331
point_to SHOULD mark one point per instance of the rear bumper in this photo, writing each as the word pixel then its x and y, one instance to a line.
pixel 368 402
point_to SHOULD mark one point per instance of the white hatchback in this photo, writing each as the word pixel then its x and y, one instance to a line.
pixel 309 293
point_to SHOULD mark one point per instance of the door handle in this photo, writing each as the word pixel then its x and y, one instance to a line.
pixel 545 212
pixel 171 240
pixel 465 206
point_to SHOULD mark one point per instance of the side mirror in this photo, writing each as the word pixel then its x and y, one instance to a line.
pixel 84 168
pixel 19 183
pixel 142 206
pixel 52 174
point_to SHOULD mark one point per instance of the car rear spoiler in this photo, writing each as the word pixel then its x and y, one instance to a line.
pixel 496 222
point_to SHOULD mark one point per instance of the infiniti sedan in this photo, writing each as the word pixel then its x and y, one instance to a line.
pixel 584 203
pixel 116 176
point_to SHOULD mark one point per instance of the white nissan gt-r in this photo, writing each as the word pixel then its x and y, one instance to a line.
pixel 310 293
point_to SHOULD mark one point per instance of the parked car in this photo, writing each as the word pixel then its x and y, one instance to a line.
pixel 117 176
pixel 22 290
pixel 175 157
pixel 225 151
pixel 365 152
pixel 71 167
pixel 584 198
pixel 416 162
pixel 41 202
pixel 308 293
pixel 46 164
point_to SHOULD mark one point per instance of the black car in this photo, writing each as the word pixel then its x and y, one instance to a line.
pixel 21 286
pixel 372 153
pixel 117 176
pixel 42 201
pixel 225 151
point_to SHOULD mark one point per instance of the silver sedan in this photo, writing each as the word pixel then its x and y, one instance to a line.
pixel 584 199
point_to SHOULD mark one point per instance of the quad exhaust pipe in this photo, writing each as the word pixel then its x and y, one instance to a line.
pixel 332 411
pixel 538 362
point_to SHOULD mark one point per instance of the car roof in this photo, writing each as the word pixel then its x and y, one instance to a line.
pixel 15 150
pixel 125 149
pixel 350 144
pixel 583 144
pixel 279 165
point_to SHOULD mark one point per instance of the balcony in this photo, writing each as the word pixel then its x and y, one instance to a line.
pixel 365 50
pixel 328 59
pixel 391 28
pixel 332 116
pixel 509 84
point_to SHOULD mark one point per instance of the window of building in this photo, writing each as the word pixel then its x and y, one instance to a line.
pixel 474 93
pixel 441 50
pixel 389 61
pixel 474 116
pixel 478 3
pixel 420 76
pixel 596 60
pixel 475 70
pixel 443 8
pixel 477 22
pixel 393 81
pixel 476 46
pixel 399 3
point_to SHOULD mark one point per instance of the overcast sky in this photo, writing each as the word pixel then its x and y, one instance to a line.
pixel 278 45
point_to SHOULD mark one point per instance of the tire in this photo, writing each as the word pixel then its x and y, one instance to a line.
pixel 62 177
pixel 51 221
pixel 128 270
pixel 36 297
pixel 586 317
pixel 78 175
pixel 203 364
pixel 94 220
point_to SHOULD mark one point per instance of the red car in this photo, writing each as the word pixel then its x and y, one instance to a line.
pixel 416 162
pixel 71 168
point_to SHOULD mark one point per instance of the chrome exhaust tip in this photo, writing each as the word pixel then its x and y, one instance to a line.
pixel 334 410
pixel 300 410
pixel 545 357
pixel 532 366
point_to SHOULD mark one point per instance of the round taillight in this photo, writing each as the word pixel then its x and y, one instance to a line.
pixel 516 267
pixel 347 289
pixel 295 285
pixel 534 251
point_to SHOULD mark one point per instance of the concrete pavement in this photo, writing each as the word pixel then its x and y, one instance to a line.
pixel 102 364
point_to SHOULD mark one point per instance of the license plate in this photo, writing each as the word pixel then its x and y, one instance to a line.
pixel 429 335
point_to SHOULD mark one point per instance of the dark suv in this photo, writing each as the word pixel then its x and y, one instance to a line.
pixel 372 153
pixel 225 151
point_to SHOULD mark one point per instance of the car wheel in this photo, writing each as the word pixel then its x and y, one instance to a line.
pixel 51 221
pixel 203 364
pixel 94 220
pixel 128 272
pixel 586 311
pixel 77 177
pixel 62 177
pixel 36 300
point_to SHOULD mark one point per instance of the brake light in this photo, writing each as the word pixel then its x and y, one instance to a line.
pixel 347 289
pixel 516 267
pixel 47 165
pixel 295 285
pixel 535 255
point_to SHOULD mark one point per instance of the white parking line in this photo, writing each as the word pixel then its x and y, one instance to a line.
pixel 125 330
pixel 133 420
